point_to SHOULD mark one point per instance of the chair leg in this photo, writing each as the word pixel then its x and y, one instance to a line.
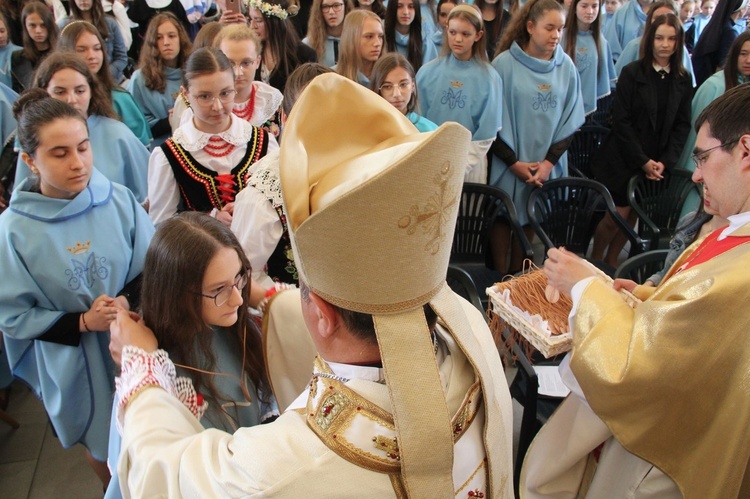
pixel 6 418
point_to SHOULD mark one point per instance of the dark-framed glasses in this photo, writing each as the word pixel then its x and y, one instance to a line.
pixel 700 158
pixel 225 292
pixel 336 7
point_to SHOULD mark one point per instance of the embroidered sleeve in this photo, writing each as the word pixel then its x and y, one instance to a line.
pixel 141 370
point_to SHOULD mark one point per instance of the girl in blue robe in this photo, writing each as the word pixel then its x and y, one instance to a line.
pixel 195 276
pixel 6 48
pixel 632 50
pixel 626 24
pixel 733 74
pixel 73 250
pixel 542 109
pixel 461 86
pixel 444 8
pixel 587 47
pixel 700 21
pixel 121 156
pixel 403 33
pixel 428 13
pixel 84 39
pixel 610 7
pixel 393 79
pixel 156 83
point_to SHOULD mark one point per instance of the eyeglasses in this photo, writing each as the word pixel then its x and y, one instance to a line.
pixel 225 292
pixel 336 7
pixel 388 89
pixel 244 65
pixel 700 158
pixel 207 100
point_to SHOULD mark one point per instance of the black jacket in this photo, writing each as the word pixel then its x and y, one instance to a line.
pixel 634 138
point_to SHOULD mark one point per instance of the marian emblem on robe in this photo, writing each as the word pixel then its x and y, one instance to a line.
pixel 86 269
pixel 544 101
pixel 453 99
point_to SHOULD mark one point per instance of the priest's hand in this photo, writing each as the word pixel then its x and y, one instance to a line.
pixel 129 329
pixel 564 269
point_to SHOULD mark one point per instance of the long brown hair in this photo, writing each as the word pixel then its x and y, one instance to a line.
pixel 650 17
pixel 97 16
pixel 317 27
pixel 68 39
pixel 571 32
pixel 101 101
pixel 647 44
pixel 382 69
pixel 151 63
pixel 533 10
pixel 29 47
pixel 171 304
pixel 415 48
pixel 731 72
pixel 281 39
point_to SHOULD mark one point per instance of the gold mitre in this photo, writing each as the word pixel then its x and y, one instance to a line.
pixel 371 206
pixel 371 202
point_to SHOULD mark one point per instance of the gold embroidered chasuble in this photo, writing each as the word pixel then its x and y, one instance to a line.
pixel 671 378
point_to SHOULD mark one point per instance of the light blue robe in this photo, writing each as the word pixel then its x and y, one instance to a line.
pixel 5 76
pixel 130 114
pixel 626 24
pixel 329 51
pixel 542 105
pixel 60 255
pixel 429 26
pixel 700 22
pixel 155 105
pixel 228 361
pixel 437 39
pixel 631 53
pixel 119 154
pixel 597 71
pixel 421 123
pixel 606 20
pixel 467 92
pixel 7 121
pixel 429 52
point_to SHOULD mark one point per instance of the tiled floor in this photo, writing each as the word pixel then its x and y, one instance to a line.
pixel 33 464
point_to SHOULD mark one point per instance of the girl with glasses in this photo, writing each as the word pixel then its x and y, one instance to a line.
pixel 282 49
pixel 194 297
pixel 72 253
pixel 156 82
pixel 120 156
pixel 86 41
pixel 256 102
pixel 403 33
pixel 393 79
pixel 207 160
pixel 650 123
pixel 461 86
pixel 324 28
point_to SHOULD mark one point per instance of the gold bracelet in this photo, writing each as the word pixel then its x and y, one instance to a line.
pixel 86 326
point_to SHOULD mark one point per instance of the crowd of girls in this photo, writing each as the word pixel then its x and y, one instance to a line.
pixel 521 79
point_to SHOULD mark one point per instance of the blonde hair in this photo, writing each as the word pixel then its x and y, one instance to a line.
pixel 471 15
pixel 350 62
pixel 238 33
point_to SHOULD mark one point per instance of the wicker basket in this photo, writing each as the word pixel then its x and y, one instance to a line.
pixel 535 338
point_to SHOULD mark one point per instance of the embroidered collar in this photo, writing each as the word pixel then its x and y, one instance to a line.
pixel 239 133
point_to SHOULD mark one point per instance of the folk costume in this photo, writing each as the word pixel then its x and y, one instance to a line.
pixel 627 23
pixel 596 69
pixel 658 442
pixel 199 171
pixel 260 224
pixel 262 109
pixel 542 109
pixel 93 244
pixel 469 93
pixel 341 438
pixel 123 158
pixel 650 120
pixel 156 105
pixel 631 53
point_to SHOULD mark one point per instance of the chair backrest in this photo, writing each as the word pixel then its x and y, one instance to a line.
pixel 603 114
pixel 659 204
pixel 566 211
pixel 480 206
pixel 640 267
pixel 586 142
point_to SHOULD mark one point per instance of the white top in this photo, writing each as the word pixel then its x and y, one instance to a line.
pixel 256 223
pixel 164 194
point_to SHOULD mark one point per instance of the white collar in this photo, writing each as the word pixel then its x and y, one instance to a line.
pixel 365 373
pixel 658 68
pixel 191 139
pixel 735 222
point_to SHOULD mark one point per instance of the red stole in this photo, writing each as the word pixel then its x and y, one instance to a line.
pixel 711 247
